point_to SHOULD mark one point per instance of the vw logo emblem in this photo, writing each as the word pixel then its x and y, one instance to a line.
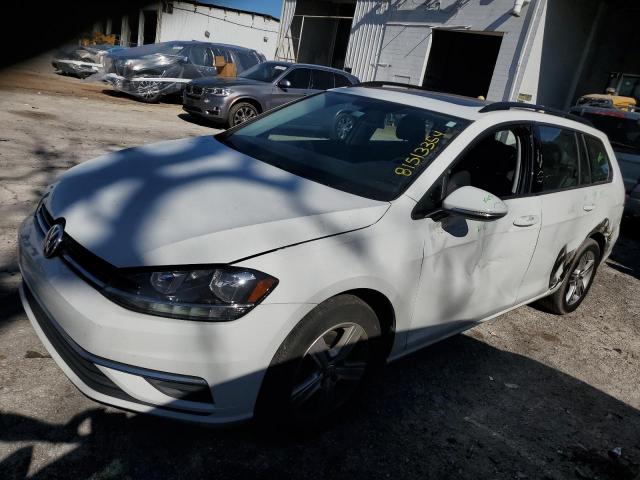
pixel 52 240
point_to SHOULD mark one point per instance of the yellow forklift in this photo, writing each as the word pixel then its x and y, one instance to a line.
pixel 622 93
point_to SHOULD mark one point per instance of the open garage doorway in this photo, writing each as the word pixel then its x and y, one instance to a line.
pixel 462 62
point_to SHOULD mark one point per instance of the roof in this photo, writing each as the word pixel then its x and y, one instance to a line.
pixel 231 9
pixel 455 105
pixel 465 107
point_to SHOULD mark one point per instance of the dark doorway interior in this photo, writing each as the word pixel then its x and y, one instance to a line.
pixel 462 62
pixel 320 31
pixel 133 29
pixel 150 24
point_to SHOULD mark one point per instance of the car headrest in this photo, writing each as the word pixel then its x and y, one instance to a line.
pixel 411 128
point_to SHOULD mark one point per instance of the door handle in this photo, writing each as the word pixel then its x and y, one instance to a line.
pixel 526 221
pixel 589 208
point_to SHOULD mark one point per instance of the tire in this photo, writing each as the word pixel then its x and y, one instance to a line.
pixel 310 378
pixel 148 92
pixel 577 282
pixel 240 113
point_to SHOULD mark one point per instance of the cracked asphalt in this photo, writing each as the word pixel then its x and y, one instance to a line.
pixel 527 395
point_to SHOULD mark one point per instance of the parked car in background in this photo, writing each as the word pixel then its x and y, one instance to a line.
pixel 82 61
pixel 232 101
pixel 272 267
pixel 152 71
pixel 623 130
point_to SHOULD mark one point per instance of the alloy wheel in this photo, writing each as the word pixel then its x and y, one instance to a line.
pixel 243 114
pixel 148 90
pixel 580 278
pixel 330 370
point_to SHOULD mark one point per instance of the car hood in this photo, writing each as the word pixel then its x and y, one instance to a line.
pixel 226 82
pixel 197 201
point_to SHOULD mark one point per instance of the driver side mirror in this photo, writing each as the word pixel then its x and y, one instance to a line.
pixel 284 84
pixel 474 204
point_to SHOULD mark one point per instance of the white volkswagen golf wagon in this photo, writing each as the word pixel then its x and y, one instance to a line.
pixel 269 269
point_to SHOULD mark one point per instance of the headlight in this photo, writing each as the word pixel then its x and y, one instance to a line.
pixel 217 91
pixel 216 295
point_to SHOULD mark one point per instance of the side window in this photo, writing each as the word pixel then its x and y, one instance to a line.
pixel 299 78
pixel 341 80
pixel 598 160
pixel 225 54
pixel 558 167
pixel 322 80
pixel 200 55
pixel 246 59
pixel 495 164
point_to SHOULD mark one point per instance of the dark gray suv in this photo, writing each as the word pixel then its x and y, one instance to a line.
pixel 262 87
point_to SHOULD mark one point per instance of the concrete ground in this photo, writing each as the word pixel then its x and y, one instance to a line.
pixel 527 395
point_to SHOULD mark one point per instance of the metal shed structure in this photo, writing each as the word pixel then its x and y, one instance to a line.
pixel 545 51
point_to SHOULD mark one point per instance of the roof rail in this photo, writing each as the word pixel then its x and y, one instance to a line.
pixel 498 106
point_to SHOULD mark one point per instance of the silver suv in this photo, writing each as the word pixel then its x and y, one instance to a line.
pixel 265 86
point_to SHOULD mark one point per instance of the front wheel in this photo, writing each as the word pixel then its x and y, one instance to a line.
pixel 241 112
pixel 322 364
pixel 577 282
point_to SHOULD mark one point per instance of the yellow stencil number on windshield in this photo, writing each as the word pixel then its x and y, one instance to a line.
pixel 417 156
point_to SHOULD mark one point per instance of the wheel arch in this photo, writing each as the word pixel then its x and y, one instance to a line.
pixel 601 234
pixel 385 312
pixel 250 100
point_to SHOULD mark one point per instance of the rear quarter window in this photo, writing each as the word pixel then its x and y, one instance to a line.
pixel 598 160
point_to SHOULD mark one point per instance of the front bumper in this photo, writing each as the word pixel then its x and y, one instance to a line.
pixel 116 356
pixel 131 85
pixel 207 106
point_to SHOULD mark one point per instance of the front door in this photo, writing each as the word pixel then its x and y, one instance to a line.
pixel 300 79
pixel 473 269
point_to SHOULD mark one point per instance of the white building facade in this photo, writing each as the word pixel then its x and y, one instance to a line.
pixel 190 20
pixel 538 51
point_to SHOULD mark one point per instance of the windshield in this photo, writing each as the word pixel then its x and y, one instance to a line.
pixel 360 145
pixel 265 72
pixel 622 130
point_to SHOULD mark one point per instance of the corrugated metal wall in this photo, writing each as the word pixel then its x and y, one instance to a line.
pixel 366 37
pixel 284 50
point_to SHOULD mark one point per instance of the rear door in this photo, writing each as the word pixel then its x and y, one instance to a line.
pixel 569 201
pixel 300 79
pixel 321 80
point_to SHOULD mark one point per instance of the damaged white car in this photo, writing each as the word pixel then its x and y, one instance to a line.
pixel 152 71
pixel 269 269
pixel 82 60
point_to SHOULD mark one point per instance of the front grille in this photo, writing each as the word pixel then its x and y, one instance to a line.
pixel 89 266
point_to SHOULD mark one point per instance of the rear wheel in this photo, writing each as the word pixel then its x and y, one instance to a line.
pixel 322 364
pixel 241 112
pixel 577 282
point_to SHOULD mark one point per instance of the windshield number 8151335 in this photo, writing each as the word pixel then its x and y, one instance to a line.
pixel 418 155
